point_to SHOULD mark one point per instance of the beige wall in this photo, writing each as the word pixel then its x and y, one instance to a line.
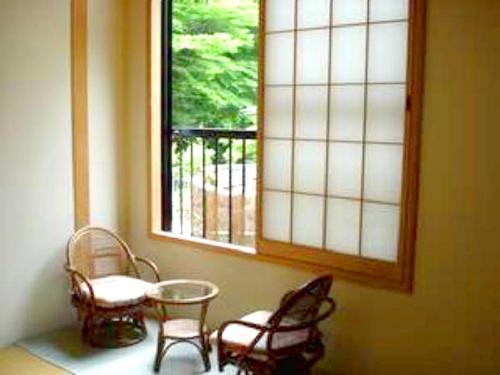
pixel 451 323
pixel 36 190
pixel 106 85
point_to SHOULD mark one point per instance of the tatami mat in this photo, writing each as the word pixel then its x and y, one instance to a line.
pixel 15 360
pixel 65 349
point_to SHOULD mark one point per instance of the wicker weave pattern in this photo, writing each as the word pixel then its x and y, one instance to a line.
pixel 294 323
pixel 97 252
pixel 93 253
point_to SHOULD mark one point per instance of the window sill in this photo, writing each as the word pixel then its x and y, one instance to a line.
pixel 249 253
pixel 230 249
pixel 203 243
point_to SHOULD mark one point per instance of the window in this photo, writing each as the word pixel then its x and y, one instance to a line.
pixel 209 119
pixel 337 142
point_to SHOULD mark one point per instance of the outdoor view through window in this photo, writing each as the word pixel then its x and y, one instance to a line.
pixel 211 119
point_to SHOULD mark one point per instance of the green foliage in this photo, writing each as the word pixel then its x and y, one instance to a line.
pixel 214 67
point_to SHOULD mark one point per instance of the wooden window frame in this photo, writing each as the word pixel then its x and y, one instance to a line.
pixel 79 107
pixel 391 275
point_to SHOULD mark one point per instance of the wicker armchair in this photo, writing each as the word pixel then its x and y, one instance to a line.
pixel 287 341
pixel 107 289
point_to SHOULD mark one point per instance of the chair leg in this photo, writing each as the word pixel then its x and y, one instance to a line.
pixel 205 350
pixel 159 353
pixel 206 360
pixel 209 345
pixel 220 357
pixel 85 329
pixel 139 322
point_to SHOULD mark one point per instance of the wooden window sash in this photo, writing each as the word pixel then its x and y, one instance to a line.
pixel 394 275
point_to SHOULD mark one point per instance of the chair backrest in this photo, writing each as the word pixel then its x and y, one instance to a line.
pixel 302 306
pixel 98 252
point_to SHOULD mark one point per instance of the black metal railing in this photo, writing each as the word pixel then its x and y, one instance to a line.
pixel 213 170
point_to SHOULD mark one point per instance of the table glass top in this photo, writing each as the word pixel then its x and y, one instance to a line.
pixel 183 291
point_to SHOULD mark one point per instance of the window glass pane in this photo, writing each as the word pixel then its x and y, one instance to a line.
pixel 309 164
pixel 383 10
pixel 311 117
pixel 383 172
pixel 278 117
pixel 388 52
pixel 213 101
pixel 380 231
pixel 347 113
pixel 344 175
pixel 277 164
pixel 308 220
pixel 386 113
pixel 348 54
pixel 349 11
pixel 276 216
pixel 279 58
pixel 312 56
pixel 280 15
pixel 313 13
pixel 343 226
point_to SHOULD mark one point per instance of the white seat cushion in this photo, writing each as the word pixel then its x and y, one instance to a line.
pixel 239 335
pixel 182 328
pixel 117 291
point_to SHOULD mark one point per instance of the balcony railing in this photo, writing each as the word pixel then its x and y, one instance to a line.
pixel 214 184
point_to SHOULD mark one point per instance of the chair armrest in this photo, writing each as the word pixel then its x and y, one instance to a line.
pixel 263 329
pixel 242 323
pixel 75 277
pixel 151 265
pixel 286 297
pixel 328 312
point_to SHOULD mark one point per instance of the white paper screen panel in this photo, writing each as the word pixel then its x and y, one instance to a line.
pixel 308 215
pixel 345 166
pixel 387 10
pixel 311 112
pixel 388 52
pixel 349 11
pixel 334 124
pixel 347 112
pixel 342 231
pixel 348 54
pixel 280 15
pixel 279 112
pixel 280 58
pixel 385 113
pixel 309 167
pixel 278 162
pixel 276 215
pixel 313 13
pixel 312 56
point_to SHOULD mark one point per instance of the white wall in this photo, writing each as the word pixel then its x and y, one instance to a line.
pixel 106 85
pixel 36 194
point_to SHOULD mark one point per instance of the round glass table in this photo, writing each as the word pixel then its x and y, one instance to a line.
pixel 176 330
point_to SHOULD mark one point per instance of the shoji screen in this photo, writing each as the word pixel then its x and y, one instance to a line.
pixel 334 118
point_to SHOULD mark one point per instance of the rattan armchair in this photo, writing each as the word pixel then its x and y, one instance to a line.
pixel 287 341
pixel 106 287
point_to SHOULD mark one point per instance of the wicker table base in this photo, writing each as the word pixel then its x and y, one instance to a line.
pixel 112 333
pixel 178 331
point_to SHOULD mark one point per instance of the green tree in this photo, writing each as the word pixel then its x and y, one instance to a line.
pixel 214 68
